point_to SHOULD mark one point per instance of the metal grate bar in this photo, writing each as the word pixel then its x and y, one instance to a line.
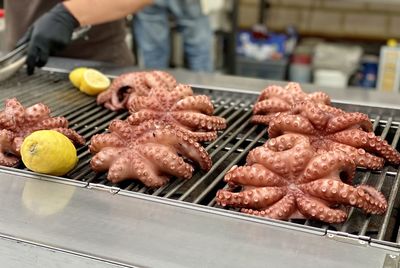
pixel 234 162
pixel 392 196
pixel 382 177
pixel 365 178
pixel 220 161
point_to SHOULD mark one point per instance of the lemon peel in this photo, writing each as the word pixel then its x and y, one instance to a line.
pixel 94 82
pixel 48 152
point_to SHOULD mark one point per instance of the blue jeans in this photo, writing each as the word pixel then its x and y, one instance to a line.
pixel 152 34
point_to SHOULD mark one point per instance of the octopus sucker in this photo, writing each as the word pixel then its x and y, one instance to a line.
pixel 17 122
pixel 151 152
pixel 304 183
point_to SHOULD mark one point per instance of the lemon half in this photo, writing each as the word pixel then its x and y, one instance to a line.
pixel 48 152
pixel 76 76
pixel 94 82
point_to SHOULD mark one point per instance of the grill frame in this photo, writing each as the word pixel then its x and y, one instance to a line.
pixel 386 121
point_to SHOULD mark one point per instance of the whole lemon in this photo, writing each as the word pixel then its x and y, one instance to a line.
pixel 94 82
pixel 48 152
pixel 76 76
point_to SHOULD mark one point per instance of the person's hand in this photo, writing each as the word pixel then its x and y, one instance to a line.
pixel 50 33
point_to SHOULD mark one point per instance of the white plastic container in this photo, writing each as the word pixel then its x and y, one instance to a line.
pixel 330 78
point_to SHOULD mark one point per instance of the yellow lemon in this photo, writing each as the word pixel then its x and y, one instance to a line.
pixel 76 76
pixel 94 82
pixel 48 152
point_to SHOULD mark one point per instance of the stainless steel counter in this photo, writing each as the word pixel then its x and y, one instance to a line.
pixel 144 231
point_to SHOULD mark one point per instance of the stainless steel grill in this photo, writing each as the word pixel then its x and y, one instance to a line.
pixel 229 149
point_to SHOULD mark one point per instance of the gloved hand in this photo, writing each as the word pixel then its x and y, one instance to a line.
pixel 50 33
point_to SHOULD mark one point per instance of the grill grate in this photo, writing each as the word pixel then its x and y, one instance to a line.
pixel 230 148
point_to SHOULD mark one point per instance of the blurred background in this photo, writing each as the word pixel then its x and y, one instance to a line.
pixel 324 42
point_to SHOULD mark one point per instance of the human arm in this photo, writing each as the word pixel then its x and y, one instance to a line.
pixel 91 12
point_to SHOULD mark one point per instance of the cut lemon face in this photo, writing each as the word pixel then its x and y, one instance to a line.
pixel 76 76
pixel 48 152
pixel 94 82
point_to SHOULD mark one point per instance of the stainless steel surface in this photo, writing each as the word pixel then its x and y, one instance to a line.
pixel 145 231
pixel 17 253
pixel 230 148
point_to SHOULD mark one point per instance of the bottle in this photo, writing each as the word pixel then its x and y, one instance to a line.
pixel 300 68
pixel 2 29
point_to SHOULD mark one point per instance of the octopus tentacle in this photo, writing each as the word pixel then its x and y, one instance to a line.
pixel 360 156
pixel 271 105
pixel 140 103
pixel 7 151
pixel 255 175
pixel 320 97
pixel 159 79
pixel 262 119
pixel 276 91
pixel 285 155
pixel 289 123
pixel 331 164
pixel 313 208
pixel 347 120
pixel 37 112
pixel 198 136
pixel 126 131
pixel 103 160
pixel 282 209
pixel 143 115
pixel 312 112
pixel 134 166
pixel 100 141
pixel 166 160
pixel 193 120
pixel 256 198
pixel 184 146
pixel 198 103
pixel 53 122
pixel 367 140
pixel 363 197
pixel 72 135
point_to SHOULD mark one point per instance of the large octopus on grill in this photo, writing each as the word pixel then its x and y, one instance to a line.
pixel 329 129
pixel 150 152
pixel 127 86
pixel 275 99
pixel 286 178
pixel 17 122
pixel 193 115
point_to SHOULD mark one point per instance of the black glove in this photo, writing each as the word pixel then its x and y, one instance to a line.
pixel 50 33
